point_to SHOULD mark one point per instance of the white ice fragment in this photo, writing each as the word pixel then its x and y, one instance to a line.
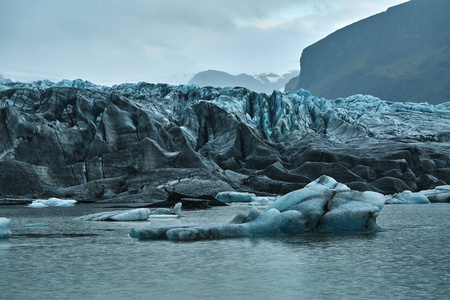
pixel 229 197
pixel 138 214
pixel 177 209
pixel 5 232
pixel 40 203
pixel 36 204
pixel 408 197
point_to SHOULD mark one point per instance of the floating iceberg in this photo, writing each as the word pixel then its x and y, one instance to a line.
pixel 55 202
pixel 5 232
pixel 439 194
pixel 408 197
pixel 323 206
pixel 166 213
pixel 230 197
pixel 139 214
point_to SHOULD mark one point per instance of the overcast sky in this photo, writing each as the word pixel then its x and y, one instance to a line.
pixel 112 41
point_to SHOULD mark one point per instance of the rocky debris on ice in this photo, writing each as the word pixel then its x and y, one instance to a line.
pixel 55 202
pixel 5 232
pixel 323 206
pixel 139 214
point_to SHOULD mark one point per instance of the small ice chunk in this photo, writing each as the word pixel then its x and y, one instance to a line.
pixel 52 202
pixel 5 232
pixel 229 197
pixel 408 197
pixel 36 204
pixel 138 214
pixel 177 209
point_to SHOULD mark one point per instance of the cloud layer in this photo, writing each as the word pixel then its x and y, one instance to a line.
pixel 109 41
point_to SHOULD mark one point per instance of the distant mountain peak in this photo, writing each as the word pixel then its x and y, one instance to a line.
pixel 263 83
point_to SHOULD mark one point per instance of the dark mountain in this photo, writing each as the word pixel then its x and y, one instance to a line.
pixel 402 54
pixel 262 83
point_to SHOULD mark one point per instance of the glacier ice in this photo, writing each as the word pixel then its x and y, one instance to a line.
pixel 323 206
pixel 138 214
pixel 55 202
pixel 5 232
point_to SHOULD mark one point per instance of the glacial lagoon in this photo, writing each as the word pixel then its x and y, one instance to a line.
pixel 53 256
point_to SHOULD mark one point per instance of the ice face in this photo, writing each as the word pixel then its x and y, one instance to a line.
pixel 324 206
pixel 52 202
pixel 139 214
pixel 5 232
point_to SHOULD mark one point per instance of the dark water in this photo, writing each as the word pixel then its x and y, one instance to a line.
pixel 68 259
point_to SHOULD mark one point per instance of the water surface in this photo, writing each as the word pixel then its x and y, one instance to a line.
pixel 59 257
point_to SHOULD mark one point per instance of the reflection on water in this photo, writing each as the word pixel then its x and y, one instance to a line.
pixel 97 260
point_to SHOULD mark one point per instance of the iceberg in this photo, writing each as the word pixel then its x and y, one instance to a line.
pixel 55 202
pixel 231 197
pixel 323 206
pixel 408 197
pixel 166 213
pixel 440 194
pixel 139 214
pixel 5 232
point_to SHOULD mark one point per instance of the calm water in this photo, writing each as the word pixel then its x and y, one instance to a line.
pixel 68 259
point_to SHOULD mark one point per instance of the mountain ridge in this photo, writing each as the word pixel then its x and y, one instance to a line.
pixel 263 83
pixel 402 54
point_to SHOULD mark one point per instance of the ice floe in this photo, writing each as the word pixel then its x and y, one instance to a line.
pixel 138 214
pixel 322 206
pixel 232 197
pixel 55 202
pixel 407 197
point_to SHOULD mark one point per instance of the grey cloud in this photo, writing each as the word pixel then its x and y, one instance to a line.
pixel 138 40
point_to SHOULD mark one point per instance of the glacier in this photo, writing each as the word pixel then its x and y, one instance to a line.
pixel 141 142
pixel 5 232
pixel 324 206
